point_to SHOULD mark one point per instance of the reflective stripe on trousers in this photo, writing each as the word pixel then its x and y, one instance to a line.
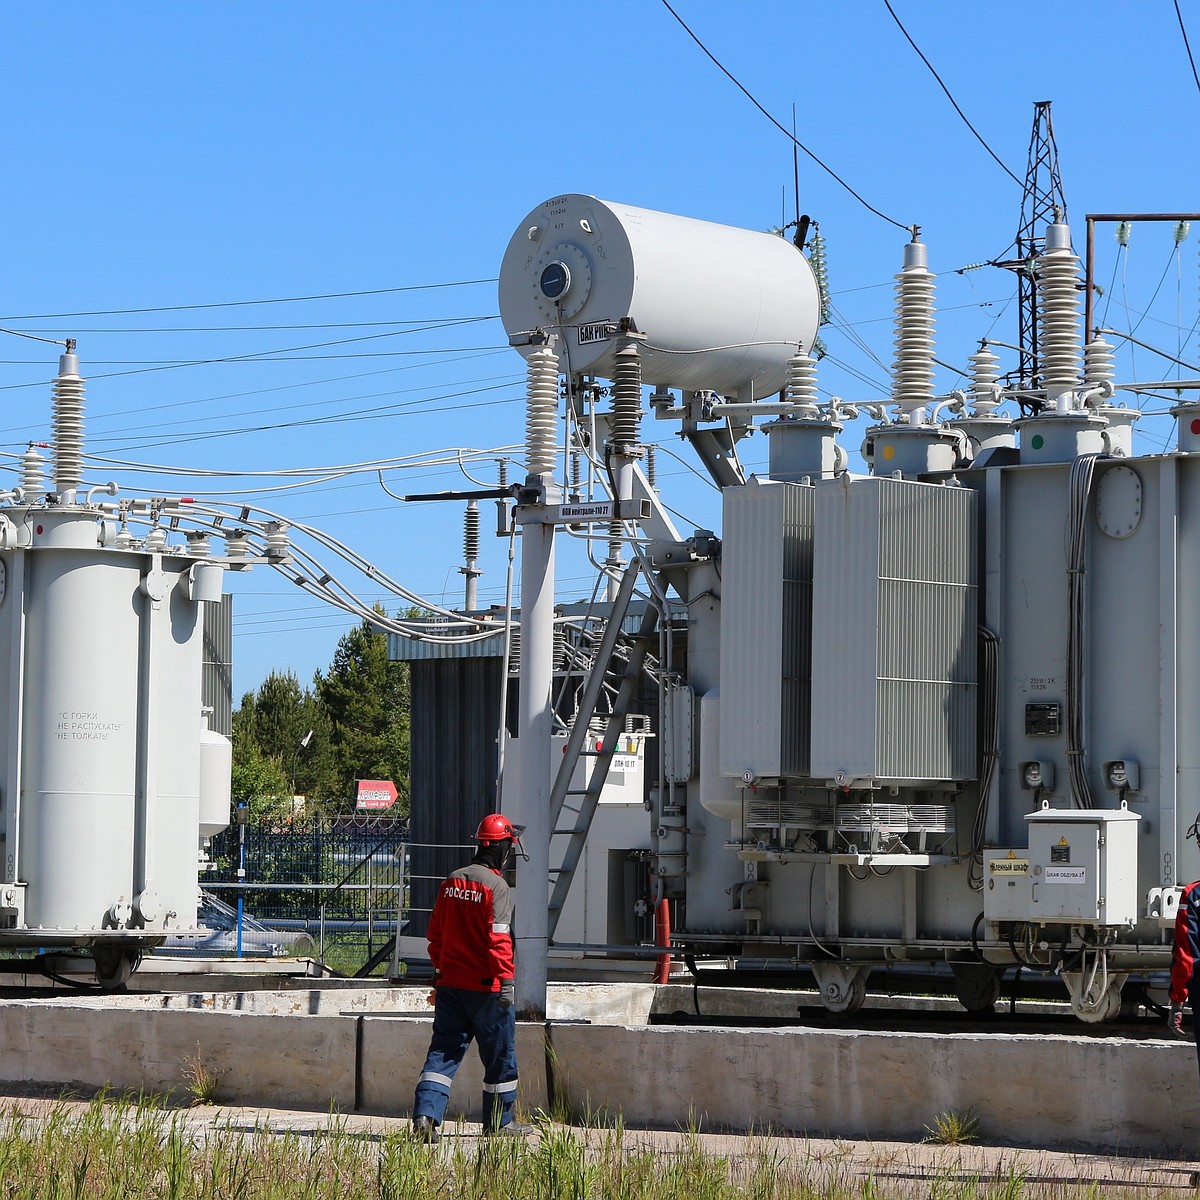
pixel 460 1017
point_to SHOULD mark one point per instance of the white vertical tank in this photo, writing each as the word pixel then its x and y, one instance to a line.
pixel 107 688
pixel 722 309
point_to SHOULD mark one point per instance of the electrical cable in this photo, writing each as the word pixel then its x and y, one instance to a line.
pixel 990 738
pixel 33 337
pixel 1082 472
pixel 1186 44
pixel 978 136
pixel 782 128
pixel 125 312
pixel 1147 346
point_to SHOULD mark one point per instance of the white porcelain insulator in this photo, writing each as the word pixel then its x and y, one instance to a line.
pixel 985 381
pixel 1058 313
pixel 68 425
pixel 124 539
pixel 1099 363
pixel 156 540
pixel 912 372
pixel 33 473
pixel 279 546
pixel 237 544
pixel 802 384
pixel 541 411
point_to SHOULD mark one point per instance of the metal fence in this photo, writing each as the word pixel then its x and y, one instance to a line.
pixel 336 889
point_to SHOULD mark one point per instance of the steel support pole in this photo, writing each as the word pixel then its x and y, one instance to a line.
pixel 531 805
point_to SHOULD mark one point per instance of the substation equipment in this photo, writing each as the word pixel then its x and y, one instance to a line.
pixel 934 713
pixel 112 781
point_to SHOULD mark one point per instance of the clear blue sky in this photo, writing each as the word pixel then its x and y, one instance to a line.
pixel 162 155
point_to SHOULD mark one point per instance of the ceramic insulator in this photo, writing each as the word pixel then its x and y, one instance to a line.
pixel 237 544
pixel 985 380
pixel 156 539
pixel 912 373
pixel 541 411
pixel 33 475
pixel 627 397
pixel 68 425
pixel 802 383
pixel 1099 363
pixel 279 547
pixel 1058 312
pixel 471 531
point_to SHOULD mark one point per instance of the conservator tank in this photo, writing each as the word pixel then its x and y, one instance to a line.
pixel 722 309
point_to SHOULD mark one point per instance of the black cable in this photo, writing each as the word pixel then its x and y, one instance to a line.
pixel 75 330
pixel 782 129
pixel 1186 44
pixel 978 136
pixel 125 312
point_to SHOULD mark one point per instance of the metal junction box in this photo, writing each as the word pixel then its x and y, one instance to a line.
pixel 1006 885
pixel 1083 866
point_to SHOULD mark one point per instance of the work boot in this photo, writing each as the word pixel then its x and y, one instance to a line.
pixel 512 1129
pixel 424 1129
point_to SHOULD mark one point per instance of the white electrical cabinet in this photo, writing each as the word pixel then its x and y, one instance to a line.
pixel 1083 866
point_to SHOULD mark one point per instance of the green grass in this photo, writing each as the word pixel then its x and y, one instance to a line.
pixel 953 1129
pixel 140 1148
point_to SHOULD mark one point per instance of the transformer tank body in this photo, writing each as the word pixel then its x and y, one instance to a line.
pixel 104 740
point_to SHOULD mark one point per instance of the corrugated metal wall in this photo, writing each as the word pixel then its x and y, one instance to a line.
pixel 216 685
pixel 895 615
pixel 766 628
pixel 455 709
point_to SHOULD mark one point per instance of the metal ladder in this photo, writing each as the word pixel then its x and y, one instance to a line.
pixel 576 832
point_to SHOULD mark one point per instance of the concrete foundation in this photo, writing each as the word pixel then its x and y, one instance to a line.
pixel 361 1050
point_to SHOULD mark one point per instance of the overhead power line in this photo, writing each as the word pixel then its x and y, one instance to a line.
pixel 125 312
pixel 782 128
pixel 1186 44
pixel 978 136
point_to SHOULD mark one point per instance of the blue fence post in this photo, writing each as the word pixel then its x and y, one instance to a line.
pixel 243 815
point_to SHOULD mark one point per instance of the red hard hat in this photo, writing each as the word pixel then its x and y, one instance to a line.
pixel 496 827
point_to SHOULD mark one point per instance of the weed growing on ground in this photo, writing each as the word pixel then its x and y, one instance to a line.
pixel 953 1129
pixel 201 1082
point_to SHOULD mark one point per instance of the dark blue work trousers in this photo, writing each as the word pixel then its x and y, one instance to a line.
pixel 460 1016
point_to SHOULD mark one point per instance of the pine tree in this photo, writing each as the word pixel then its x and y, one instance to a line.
pixel 366 699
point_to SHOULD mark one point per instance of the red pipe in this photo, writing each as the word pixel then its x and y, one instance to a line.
pixel 662 937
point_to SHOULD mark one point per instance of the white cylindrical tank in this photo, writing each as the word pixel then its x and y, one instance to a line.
pixel 216 794
pixel 722 309
pixel 110 732
pixel 80 733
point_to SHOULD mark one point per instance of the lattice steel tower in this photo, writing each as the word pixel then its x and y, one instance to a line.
pixel 1042 203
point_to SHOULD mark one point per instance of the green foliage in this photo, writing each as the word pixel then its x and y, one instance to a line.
pixel 953 1129
pixel 367 699
pixel 353 724
pixel 201 1082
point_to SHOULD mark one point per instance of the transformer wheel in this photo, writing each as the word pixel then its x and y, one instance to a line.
pixel 842 990
pixel 114 965
pixel 977 985
pixel 1108 1009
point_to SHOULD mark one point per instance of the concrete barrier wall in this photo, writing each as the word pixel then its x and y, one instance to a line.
pixel 1109 1093
pixel 258 1059
pixel 393 1052
pixel 1058 1091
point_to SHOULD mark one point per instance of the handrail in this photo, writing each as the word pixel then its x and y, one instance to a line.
pixel 333 891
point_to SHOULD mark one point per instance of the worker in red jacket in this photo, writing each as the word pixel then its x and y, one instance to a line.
pixel 1185 956
pixel 471 947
